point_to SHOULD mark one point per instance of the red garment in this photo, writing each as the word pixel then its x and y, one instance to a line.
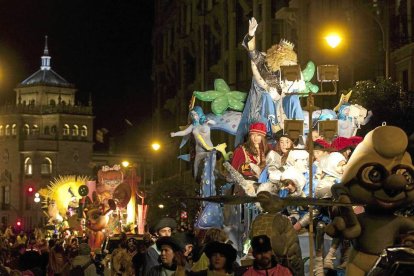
pixel 240 163
pixel 278 270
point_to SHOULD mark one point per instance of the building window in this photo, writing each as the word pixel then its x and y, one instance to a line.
pixel 66 130
pixel 52 102
pixel 46 167
pixel 84 131
pixel 35 129
pixel 47 130
pixel 5 196
pixel 13 130
pixel 53 130
pixel 75 130
pixel 26 129
pixel 1 130
pixel 7 130
pixel 28 166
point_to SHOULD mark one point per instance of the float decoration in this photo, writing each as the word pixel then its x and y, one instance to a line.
pixel 222 97
pixel 308 74
pixel 62 195
pixel 380 175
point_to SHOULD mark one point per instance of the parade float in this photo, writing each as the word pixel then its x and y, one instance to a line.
pixel 251 201
pixel 96 209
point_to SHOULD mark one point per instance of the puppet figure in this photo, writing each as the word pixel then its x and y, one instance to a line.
pixel 267 100
pixel 380 175
pixel 53 212
pixel 351 118
pixel 200 129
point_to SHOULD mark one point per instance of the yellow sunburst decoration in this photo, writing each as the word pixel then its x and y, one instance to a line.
pixel 62 190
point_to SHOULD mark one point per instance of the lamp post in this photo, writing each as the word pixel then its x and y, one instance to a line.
pixel 155 146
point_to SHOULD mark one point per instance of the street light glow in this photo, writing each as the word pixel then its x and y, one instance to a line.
pixel 161 206
pixel 155 146
pixel 333 40
pixel 125 164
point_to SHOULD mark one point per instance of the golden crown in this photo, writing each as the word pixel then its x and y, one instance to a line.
pixel 286 44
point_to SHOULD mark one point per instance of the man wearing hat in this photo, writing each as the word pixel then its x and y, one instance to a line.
pixel 264 260
pixel 163 228
pixel 170 249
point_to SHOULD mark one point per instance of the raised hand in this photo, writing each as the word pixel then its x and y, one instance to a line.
pixel 252 26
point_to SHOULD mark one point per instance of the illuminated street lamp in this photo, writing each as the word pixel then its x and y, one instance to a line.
pixel 333 40
pixel 155 146
pixel 125 164
pixel 161 206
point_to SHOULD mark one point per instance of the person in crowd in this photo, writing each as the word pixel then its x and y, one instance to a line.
pixel 44 255
pixel 132 248
pixel 171 258
pixel 138 260
pixel 188 242
pixel 200 259
pixel 163 228
pixel 221 258
pixel 265 263
pixel 120 259
pixel 31 258
pixel 58 262
pixel 250 158
pixel 21 238
pixel 84 260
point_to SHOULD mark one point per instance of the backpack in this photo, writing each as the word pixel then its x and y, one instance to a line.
pixel 79 270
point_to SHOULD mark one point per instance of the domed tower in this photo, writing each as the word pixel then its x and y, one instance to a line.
pixel 43 135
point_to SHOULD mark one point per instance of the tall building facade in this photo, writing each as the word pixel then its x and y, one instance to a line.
pixel 194 43
pixel 43 135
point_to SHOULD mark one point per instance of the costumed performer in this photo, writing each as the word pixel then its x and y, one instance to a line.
pixel 250 158
pixel 200 129
pixel 267 100
pixel 380 175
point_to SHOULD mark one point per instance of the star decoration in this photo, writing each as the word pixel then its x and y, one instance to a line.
pixel 222 97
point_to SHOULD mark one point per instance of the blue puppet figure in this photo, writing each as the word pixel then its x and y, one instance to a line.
pixel 269 100
pixel 200 128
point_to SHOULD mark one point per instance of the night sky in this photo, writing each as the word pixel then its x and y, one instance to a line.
pixel 103 47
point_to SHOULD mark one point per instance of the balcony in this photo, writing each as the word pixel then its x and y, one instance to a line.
pixel 46 109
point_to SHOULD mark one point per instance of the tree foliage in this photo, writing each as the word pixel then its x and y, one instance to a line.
pixel 386 100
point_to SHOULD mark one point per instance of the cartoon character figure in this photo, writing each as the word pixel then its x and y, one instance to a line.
pixel 53 213
pixel 380 175
pixel 109 178
pixel 96 220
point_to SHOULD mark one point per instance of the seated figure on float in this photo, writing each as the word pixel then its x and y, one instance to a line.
pixel 267 100
pixel 250 158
